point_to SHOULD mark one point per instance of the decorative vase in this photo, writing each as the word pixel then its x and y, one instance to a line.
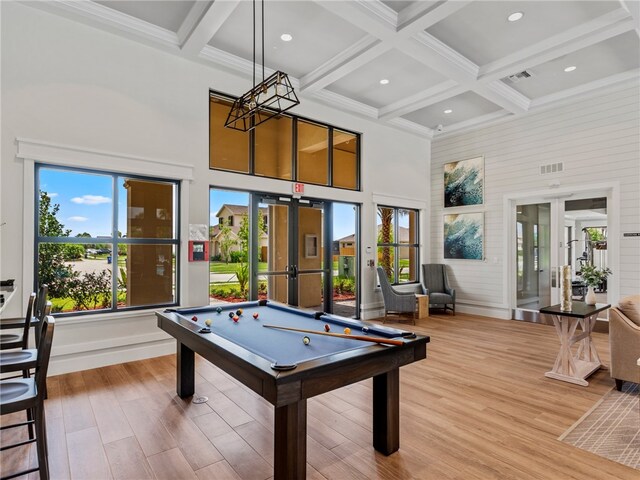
pixel 590 298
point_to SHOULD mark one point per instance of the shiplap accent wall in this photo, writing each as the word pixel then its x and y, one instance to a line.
pixel 597 138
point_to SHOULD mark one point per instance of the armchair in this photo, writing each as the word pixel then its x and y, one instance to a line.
pixel 624 340
pixel 395 301
pixel 436 285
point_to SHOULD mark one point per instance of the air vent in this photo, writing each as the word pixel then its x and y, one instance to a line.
pixel 516 77
pixel 552 168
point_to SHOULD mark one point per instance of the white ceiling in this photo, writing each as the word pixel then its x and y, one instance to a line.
pixel 437 55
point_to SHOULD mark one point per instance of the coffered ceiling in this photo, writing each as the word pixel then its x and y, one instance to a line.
pixel 450 65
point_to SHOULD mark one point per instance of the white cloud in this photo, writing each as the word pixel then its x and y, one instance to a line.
pixel 52 195
pixel 90 200
pixel 77 219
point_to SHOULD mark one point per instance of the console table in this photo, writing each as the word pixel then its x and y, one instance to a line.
pixel 569 366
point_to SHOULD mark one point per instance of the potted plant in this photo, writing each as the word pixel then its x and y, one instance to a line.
pixel 593 277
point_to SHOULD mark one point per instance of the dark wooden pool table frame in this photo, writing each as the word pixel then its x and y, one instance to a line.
pixel 289 390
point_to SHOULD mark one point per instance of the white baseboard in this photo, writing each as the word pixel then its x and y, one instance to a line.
pixel 86 360
pixel 484 311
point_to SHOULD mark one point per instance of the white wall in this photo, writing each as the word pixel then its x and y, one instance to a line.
pixel 598 140
pixel 70 84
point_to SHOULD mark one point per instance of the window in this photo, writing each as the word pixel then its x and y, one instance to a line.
pixel 106 241
pixel 398 247
pixel 286 147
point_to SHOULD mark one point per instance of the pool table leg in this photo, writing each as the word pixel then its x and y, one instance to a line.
pixel 386 412
pixel 185 371
pixel 290 452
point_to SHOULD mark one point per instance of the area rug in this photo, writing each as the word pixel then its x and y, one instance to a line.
pixel 611 429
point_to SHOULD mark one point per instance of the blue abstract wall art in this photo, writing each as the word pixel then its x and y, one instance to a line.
pixel 464 182
pixel 464 236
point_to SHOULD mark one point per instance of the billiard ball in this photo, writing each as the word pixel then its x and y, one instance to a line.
pixel 194 318
pixel 347 331
pixel 239 312
pixel 236 318
pixel 365 329
pixel 306 340
pixel 231 314
pixel 207 322
pixel 255 315
pixel 219 310
pixel 326 327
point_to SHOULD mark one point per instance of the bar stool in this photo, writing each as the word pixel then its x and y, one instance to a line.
pixel 19 340
pixel 28 394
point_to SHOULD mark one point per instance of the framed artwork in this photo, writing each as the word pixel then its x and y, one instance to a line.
pixel 310 246
pixel 464 236
pixel 464 182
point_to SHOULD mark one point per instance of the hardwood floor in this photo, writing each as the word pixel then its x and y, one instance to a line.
pixel 479 407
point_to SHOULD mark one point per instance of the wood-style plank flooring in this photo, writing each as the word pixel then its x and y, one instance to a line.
pixel 479 407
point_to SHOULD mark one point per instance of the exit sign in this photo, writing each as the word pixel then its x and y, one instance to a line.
pixel 298 188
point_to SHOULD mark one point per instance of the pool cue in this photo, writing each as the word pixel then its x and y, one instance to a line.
pixel 388 341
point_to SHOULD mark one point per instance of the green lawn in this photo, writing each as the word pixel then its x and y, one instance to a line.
pixel 222 267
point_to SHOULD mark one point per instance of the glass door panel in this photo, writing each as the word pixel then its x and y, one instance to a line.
pixel 533 255
pixel 273 251
pixel 310 259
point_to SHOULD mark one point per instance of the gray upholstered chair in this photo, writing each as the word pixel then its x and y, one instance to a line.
pixel 395 301
pixel 624 340
pixel 436 285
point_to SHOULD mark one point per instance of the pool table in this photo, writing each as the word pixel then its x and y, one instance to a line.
pixel 283 369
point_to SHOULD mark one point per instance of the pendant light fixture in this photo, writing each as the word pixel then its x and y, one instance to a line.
pixel 273 96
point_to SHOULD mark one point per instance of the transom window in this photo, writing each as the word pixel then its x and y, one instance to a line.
pixel 286 148
pixel 398 243
pixel 106 241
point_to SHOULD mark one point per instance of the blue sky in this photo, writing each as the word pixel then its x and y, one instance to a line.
pixel 85 199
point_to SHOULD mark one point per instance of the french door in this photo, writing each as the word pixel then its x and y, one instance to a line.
pixel 549 233
pixel 295 263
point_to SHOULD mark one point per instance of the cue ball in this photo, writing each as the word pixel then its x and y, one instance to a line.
pixel 255 315
pixel 219 310
pixel 236 318
pixel 194 318
pixel 207 322
pixel 239 312
pixel 327 327
pixel 306 340
pixel 231 315
pixel 347 331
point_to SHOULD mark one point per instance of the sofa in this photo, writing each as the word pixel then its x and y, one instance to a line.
pixel 624 340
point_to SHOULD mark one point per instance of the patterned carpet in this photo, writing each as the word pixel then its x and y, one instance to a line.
pixel 611 429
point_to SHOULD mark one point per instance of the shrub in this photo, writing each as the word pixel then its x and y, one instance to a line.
pixel 236 256
pixel 92 290
pixel 73 251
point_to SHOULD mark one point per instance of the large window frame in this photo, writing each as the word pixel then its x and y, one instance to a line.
pixel 113 240
pixel 294 149
pixel 413 243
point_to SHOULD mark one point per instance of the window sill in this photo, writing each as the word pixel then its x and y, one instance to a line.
pixel 107 316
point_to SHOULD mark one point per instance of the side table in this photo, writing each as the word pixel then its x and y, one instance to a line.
pixel 569 366
pixel 423 306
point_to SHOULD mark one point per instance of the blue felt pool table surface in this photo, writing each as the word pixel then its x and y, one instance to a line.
pixel 284 348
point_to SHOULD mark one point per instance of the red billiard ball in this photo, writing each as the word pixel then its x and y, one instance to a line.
pixel 236 318
pixel 255 315
pixel 327 327
pixel 194 318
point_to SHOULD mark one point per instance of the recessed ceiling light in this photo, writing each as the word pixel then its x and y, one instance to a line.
pixel 448 110
pixel 384 81
pixel 570 69
pixel 515 16
pixel 286 37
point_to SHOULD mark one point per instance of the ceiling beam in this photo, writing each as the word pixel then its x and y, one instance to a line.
pixel 380 22
pixel 633 7
pixel 191 20
pixel 597 30
pixel 421 99
pixel 210 22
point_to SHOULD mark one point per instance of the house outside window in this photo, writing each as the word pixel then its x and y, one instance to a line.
pixel 106 241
